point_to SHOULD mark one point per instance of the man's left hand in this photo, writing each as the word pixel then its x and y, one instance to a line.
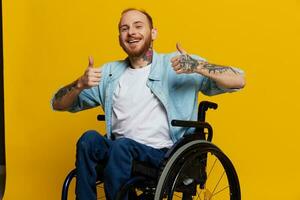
pixel 184 63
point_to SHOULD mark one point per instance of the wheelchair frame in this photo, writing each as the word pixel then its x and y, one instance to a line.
pixel 162 183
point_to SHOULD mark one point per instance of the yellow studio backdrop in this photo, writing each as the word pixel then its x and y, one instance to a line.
pixel 47 44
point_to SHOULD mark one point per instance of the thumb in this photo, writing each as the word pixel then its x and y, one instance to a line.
pixel 91 61
pixel 180 49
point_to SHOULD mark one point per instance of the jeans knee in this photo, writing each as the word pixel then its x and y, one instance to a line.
pixel 86 138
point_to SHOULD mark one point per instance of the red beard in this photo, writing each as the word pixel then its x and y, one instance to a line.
pixel 137 51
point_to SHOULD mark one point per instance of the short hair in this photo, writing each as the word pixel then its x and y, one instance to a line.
pixel 141 11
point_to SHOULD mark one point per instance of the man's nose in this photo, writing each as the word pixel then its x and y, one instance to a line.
pixel 132 31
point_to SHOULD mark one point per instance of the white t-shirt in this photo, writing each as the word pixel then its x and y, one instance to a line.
pixel 137 113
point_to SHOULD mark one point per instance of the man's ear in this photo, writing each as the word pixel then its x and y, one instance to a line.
pixel 154 33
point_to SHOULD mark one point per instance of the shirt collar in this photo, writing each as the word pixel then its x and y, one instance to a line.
pixel 156 69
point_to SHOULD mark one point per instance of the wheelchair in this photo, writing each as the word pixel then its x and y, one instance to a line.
pixel 193 168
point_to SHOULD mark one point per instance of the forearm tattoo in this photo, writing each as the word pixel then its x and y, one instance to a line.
pixel 218 68
pixel 62 92
pixel 188 63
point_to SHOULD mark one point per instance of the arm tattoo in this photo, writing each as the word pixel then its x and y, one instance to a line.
pixel 188 63
pixel 62 92
pixel 218 68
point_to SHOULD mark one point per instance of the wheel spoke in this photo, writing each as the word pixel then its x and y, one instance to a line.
pixel 199 193
pixel 220 190
pixel 212 167
pixel 218 182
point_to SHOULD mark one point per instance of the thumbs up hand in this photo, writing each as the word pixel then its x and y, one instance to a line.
pixel 91 62
pixel 184 63
pixel 180 49
pixel 91 76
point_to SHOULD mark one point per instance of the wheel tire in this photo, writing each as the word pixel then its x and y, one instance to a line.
pixel 216 163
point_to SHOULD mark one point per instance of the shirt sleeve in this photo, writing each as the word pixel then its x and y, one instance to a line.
pixel 88 98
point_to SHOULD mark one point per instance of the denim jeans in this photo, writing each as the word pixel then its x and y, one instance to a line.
pixel 117 155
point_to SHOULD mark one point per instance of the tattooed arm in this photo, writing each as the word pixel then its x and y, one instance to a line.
pixel 66 96
pixel 224 76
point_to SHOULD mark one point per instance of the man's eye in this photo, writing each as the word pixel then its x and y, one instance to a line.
pixel 123 29
pixel 139 27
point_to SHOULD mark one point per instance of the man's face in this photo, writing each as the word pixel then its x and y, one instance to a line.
pixel 135 35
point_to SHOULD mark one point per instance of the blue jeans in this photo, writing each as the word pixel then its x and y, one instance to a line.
pixel 117 155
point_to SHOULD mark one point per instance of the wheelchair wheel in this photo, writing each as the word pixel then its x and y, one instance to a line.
pixel 198 170
pixel 131 188
pixel 72 176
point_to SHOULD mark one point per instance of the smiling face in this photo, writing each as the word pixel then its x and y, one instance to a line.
pixel 135 34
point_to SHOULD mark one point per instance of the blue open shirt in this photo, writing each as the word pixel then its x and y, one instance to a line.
pixel 178 93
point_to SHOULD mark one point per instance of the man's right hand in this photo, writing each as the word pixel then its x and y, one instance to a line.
pixel 91 76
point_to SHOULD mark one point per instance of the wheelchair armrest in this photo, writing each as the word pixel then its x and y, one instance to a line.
pixel 195 124
pixel 204 105
pixel 185 123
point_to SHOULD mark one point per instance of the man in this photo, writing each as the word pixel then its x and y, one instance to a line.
pixel 140 97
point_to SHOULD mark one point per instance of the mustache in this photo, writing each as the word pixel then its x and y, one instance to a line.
pixel 134 38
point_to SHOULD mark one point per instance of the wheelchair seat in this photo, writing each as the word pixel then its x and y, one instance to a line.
pixel 193 168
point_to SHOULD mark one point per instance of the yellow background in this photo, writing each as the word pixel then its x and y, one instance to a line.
pixel 47 43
